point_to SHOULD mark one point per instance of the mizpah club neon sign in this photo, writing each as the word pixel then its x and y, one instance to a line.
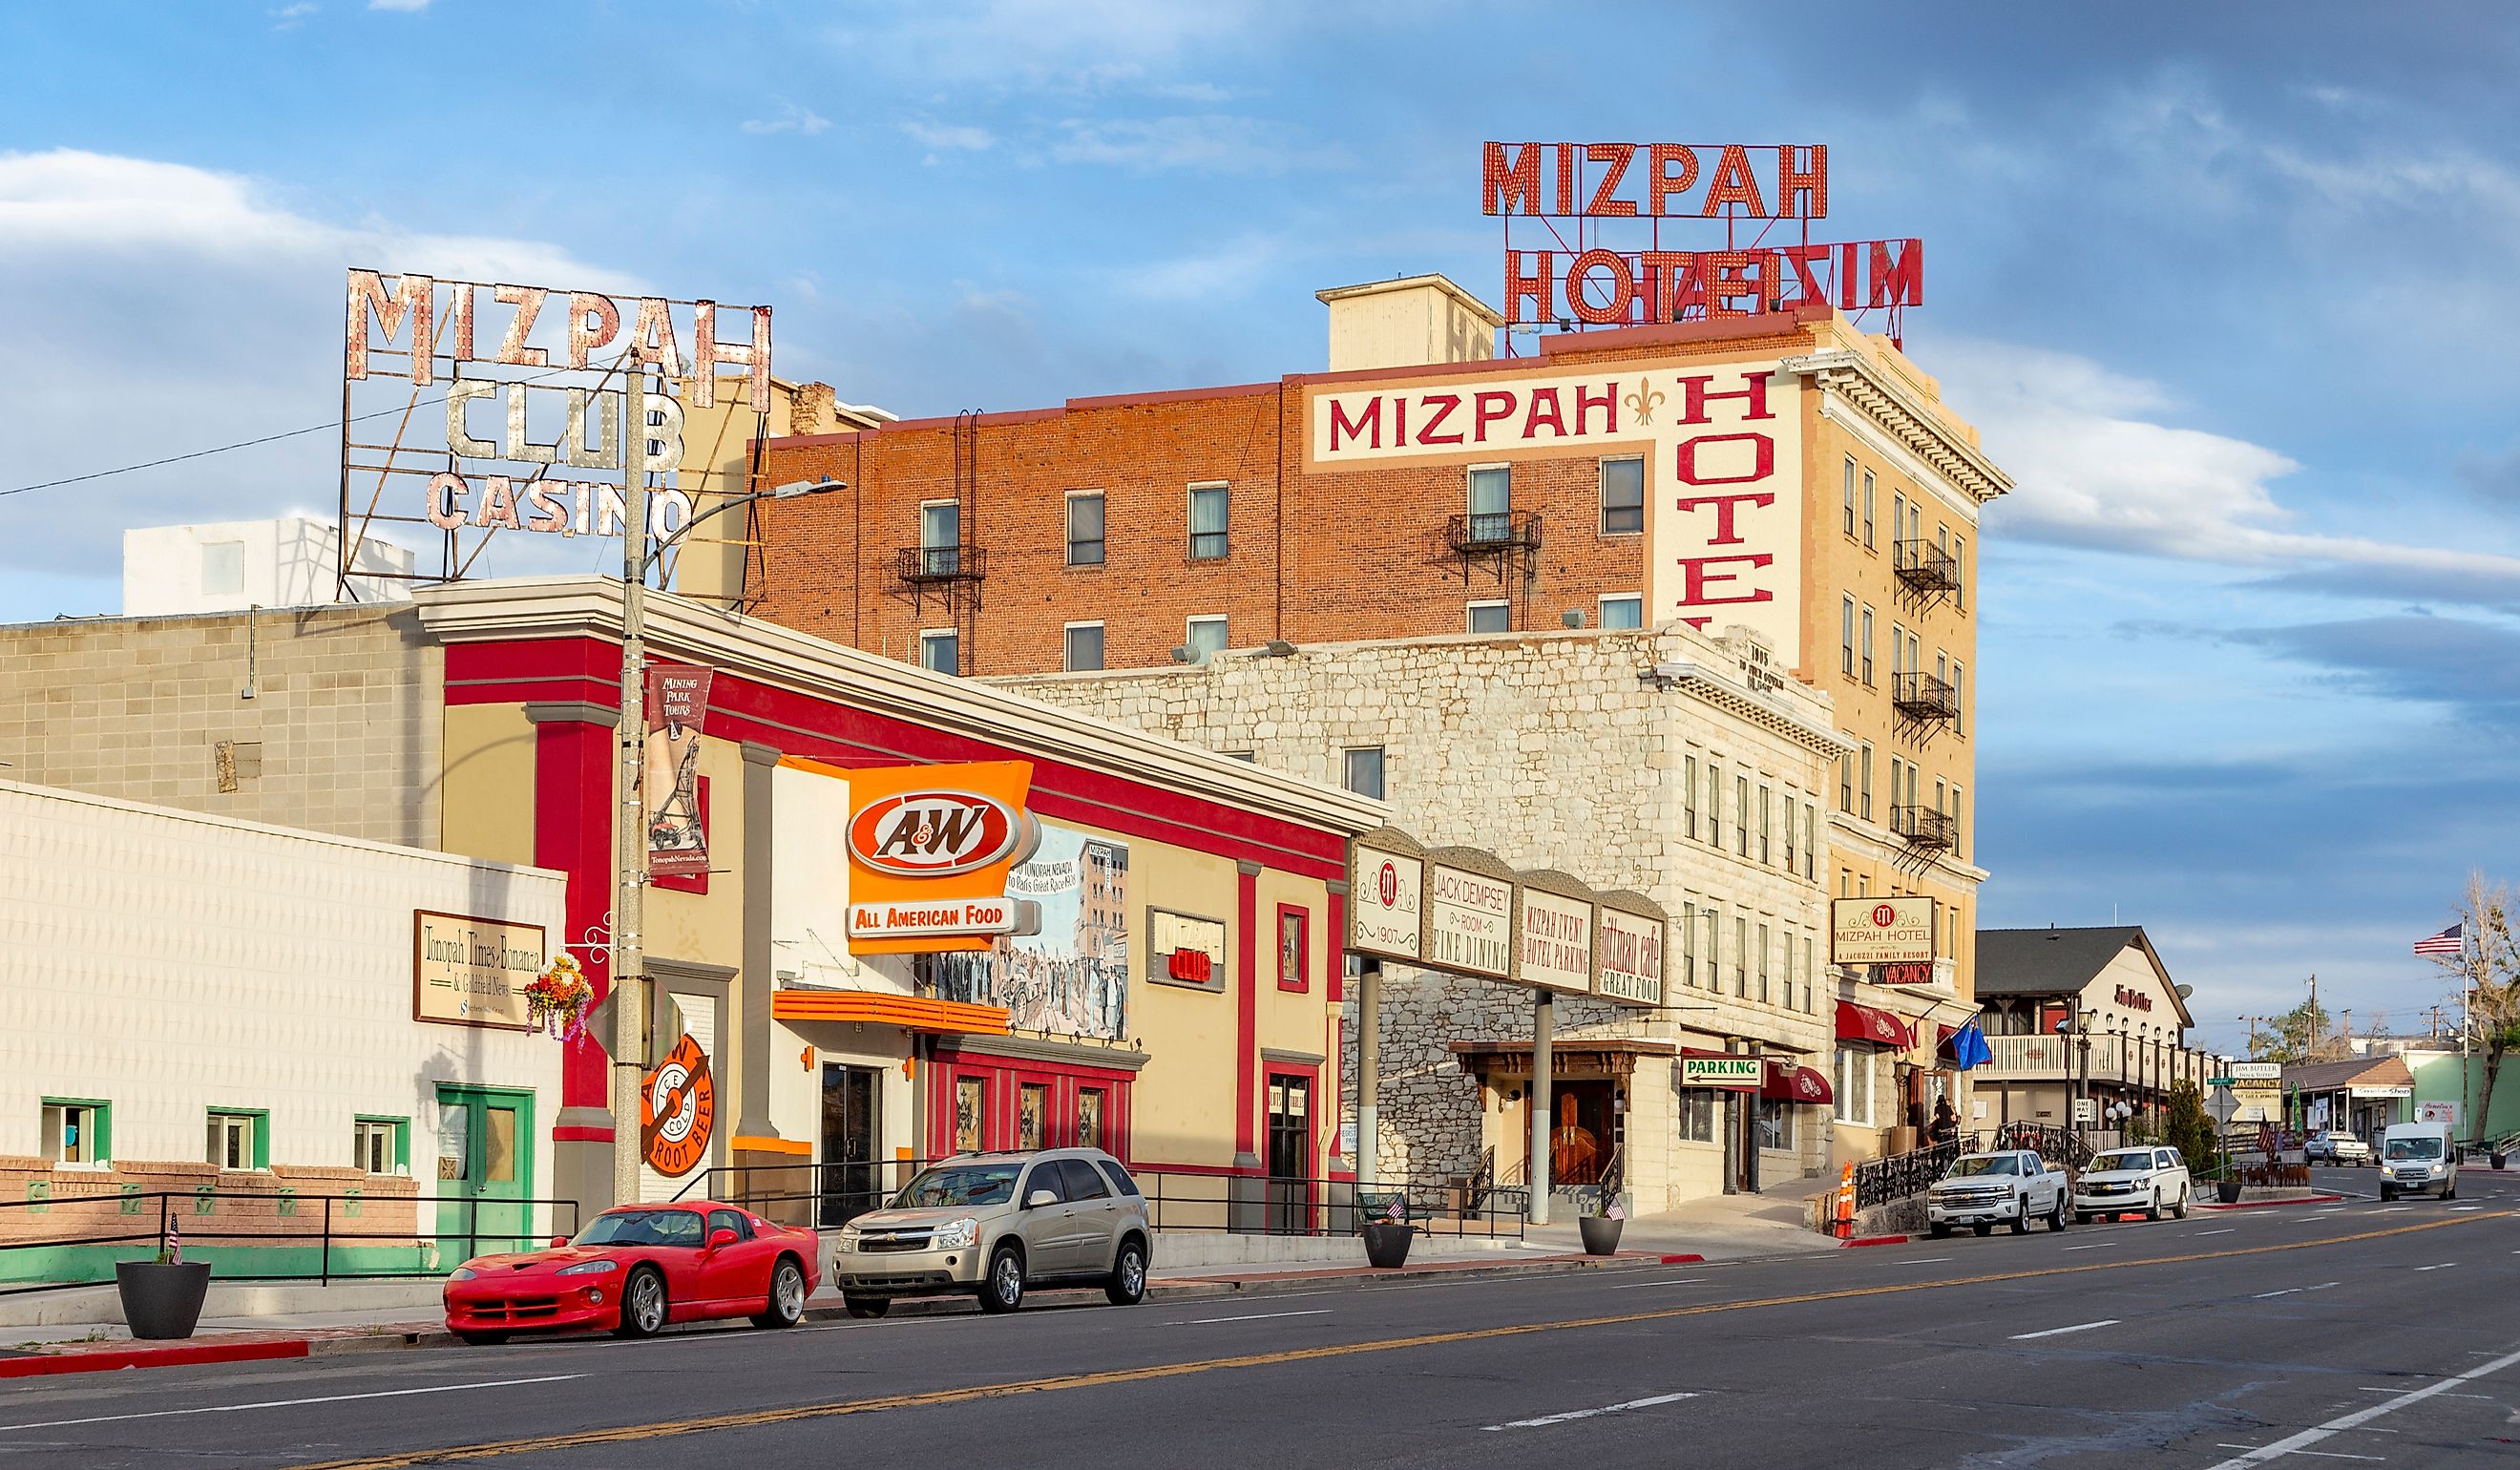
pixel 1624 234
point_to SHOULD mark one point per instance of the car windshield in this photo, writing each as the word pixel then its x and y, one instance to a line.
pixel 2136 1158
pixel 950 1185
pixel 2005 1164
pixel 2416 1148
pixel 641 1227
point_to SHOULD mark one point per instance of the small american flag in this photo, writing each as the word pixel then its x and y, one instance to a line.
pixel 2447 942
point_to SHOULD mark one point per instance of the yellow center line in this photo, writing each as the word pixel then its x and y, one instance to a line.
pixel 754 1418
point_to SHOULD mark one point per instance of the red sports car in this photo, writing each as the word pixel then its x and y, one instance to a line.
pixel 635 1268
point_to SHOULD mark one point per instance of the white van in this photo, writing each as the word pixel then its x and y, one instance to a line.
pixel 2415 1157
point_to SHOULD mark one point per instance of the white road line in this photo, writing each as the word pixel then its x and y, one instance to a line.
pixel 2096 1245
pixel 2226 1231
pixel 1257 1316
pixel 2106 1322
pixel 238 1408
pixel 2297 1444
pixel 2263 1295
pixel 1590 1413
pixel 2463 1209
pixel 1681 1281
pixel 2486 1397
pixel 2445 1266
pixel 1938 1260
pixel 2390 1210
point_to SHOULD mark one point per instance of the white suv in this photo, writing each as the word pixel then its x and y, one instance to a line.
pixel 2124 1180
pixel 1985 1190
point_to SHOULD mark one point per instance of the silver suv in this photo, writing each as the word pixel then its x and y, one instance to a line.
pixel 990 1224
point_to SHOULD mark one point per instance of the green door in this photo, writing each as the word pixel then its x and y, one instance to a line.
pixel 485 1171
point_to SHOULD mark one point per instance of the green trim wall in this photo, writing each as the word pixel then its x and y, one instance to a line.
pixel 95 1262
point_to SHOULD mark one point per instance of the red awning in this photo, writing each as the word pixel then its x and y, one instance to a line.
pixel 1788 1083
pixel 1878 1028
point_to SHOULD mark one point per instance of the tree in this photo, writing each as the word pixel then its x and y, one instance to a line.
pixel 2300 1035
pixel 2487 967
pixel 2187 1126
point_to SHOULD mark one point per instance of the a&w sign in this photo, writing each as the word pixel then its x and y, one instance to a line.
pixel 929 850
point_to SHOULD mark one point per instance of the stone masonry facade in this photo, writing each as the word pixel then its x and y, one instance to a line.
pixel 341 734
pixel 1603 754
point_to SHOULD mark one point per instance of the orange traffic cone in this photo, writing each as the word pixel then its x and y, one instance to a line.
pixel 1846 1202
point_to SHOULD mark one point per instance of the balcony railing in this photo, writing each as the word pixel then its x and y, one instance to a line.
pixel 1924 566
pixel 1494 531
pixel 919 564
pixel 1923 827
pixel 2132 1061
pixel 1922 697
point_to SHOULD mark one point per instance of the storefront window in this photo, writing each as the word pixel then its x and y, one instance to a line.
pixel 1291 971
pixel 1775 1124
pixel 1032 1111
pixel 971 1106
pixel 1698 1110
pixel 1088 1118
pixel 1853 1085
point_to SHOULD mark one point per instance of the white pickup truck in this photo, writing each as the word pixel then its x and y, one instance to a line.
pixel 1985 1190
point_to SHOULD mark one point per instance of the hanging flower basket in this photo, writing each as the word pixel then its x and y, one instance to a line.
pixel 558 997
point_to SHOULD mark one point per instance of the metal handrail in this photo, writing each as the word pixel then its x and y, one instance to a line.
pixel 326 1235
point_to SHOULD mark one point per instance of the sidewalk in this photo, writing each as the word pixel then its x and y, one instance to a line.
pixel 1717 1228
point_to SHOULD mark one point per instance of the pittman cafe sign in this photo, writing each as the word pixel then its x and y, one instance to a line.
pixel 929 850
pixel 1462 911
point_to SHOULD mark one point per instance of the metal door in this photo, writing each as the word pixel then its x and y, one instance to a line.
pixel 1290 1155
pixel 485 1168
pixel 847 1183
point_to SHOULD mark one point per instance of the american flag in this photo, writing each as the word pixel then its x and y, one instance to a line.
pixel 2447 942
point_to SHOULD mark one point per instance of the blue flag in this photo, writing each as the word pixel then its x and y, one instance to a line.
pixel 1969 1048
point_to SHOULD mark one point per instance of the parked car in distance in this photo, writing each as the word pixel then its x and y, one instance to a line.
pixel 2122 1180
pixel 636 1267
pixel 2336 1146
pixel 992 1225
pixel 2415 1157
pixel 1983 1190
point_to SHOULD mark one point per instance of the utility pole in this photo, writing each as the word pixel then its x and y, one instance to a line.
pixel 630 822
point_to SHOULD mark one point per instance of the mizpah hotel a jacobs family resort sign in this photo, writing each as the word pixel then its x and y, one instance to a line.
pixel 1617 234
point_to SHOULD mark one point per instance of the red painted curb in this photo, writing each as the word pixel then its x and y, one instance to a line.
pixel 1690 1258
pixel 107 1360
pixel 1876 1240
pixel 2271 1204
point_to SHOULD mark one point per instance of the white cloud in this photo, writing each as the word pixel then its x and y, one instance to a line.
pixel 1212 142
pixel 791 119
pixel 400 5
pixel 1058 46
pixel 161 309
pixel 290 17
pixel 2094 467
pixel 950 135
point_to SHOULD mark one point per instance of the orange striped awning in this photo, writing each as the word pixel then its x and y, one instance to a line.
pixel 909 1013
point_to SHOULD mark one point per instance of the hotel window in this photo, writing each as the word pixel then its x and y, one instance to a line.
pixel 940 650
pixel 1897 768
pixel 1085 529
pixel 380 1145
pixel 1853 1085
pixel 940 538
pixel 1898 653
pixel 1082 650
pixel 1766 824
pixel 1846 781
pixel 1627 611
pixel 1960 697
pixel 1623 497
pixel 78 1131
pixel 1741 815
pixel 1811 841
pixel 1688 794
pixel 1490 502
pixel 1207 506
pixel 1741 958
pixel 1491 617
pixel 223 568
pixel 1850 495
pixel 240 1140
pixel 1867 508
pixel 1960 573
pixel 1698 1110
pixel 1763 964
pixel 1714 801
pixel 1915 521
pixel 1808 1005
pixel 1959 827
pixel 1688 944
pixel 1206 636
pixel 1867 648
pixel 1294 955
pixel 1864 806
pixel 1915 655
pixel 1361 771
pixel 1897 516
pixel 1846 637
pixel 1789 828
pixel 1785 970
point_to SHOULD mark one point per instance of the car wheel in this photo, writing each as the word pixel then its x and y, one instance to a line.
pixel 2180 1209
pixel 787 1296
pixel 642 1303
pixel 1003 1288
pixel 1939 1230
pixel 2082 1218
pixel 2021 1222
pixel 1981 1231
pixel 1127 1284
pixel 2056 1217
pixel 2152 1211
pixel 2388 1192
pixel 866 1307
pixel 483 1339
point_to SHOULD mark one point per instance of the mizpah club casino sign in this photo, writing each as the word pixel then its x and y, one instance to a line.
pixel 1624 234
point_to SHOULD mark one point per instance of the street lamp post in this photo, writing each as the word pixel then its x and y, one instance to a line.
pixel 630 838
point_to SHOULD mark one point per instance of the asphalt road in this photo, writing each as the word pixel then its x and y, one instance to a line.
pixel 2352 1334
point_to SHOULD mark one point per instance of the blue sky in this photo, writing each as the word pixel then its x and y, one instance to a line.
pixel 2229 288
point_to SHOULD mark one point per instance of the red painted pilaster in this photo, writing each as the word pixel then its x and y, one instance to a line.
pixel 1246 1013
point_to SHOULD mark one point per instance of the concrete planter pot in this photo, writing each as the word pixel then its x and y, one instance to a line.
pixel 1386 1246
pixel 1600 1233
pixel 161 1299
pixel 2227 1191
